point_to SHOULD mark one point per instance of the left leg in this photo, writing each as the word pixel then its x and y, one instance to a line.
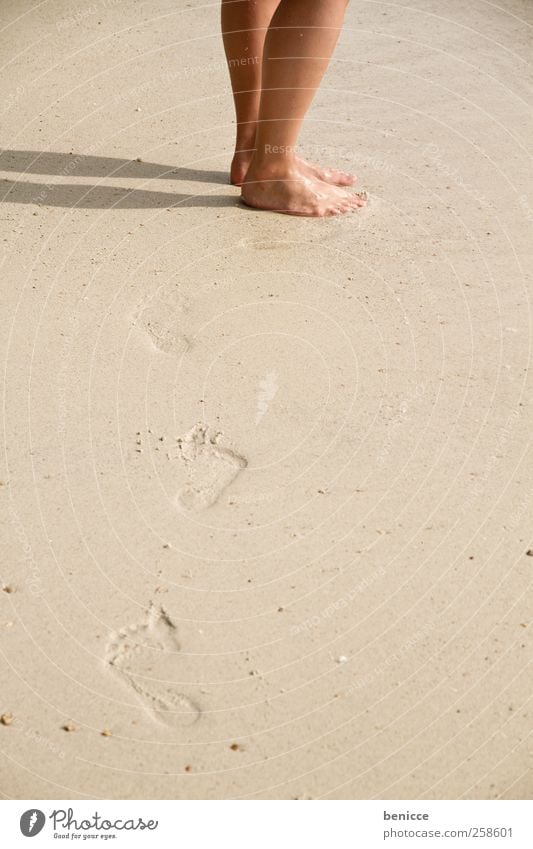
pixel 244 26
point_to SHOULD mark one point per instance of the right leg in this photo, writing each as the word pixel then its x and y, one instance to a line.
pixel 298 46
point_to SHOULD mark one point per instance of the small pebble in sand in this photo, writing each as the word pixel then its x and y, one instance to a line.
pixel 138 159
pixel 236 747
pixel 68 726
pixel 6 718
pixel 8 588
pixel 105 733
pixel 342 659
pixel 188 768
pixel 529 552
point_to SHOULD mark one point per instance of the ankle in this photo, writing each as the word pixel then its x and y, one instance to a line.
pixel 245 140
pixel 274 159
pixel 244 151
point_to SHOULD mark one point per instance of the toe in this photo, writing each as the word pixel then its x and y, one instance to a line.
pixel 344 179
pixel 358 201
pixel 342 208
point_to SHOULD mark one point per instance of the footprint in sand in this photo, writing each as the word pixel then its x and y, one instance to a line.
pixel 145 657
pixel 159 321
pixel 211 468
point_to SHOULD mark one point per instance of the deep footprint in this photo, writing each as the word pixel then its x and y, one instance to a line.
pixel 145 658
pixel 211 468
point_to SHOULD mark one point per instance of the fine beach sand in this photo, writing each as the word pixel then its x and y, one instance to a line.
pixel 266 490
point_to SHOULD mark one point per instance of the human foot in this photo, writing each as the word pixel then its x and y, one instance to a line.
pixel 243 158
pixel 328 175
pixel 293 192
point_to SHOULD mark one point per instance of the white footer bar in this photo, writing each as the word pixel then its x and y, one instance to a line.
pixel 269 824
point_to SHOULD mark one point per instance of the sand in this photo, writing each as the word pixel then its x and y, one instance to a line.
pixel 266 487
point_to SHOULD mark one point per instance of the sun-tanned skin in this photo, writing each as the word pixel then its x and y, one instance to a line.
pixel 290 191
pixel 242 160
pixel 277 52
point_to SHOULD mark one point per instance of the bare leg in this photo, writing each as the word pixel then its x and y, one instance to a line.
pixel 297 49
pixel 244 27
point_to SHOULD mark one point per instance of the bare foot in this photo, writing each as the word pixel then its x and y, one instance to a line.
pixel 293 192
pixel 242 159
pixel 328 175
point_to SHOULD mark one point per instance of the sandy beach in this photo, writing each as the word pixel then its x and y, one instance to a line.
pixel 266 482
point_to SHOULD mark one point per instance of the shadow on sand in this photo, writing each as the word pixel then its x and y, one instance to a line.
pixel 71 195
